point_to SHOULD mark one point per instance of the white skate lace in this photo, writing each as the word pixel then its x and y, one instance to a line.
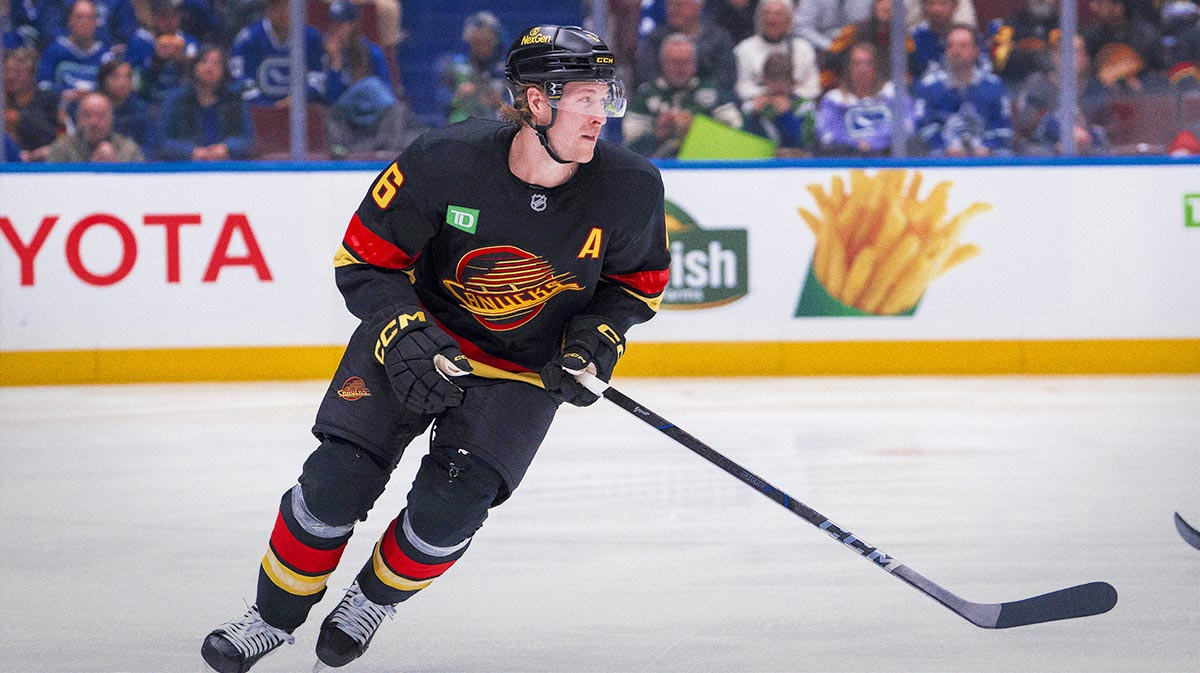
pixel 252 636
pixel 358 617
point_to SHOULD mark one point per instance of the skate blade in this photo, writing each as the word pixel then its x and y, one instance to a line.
pixel 318 667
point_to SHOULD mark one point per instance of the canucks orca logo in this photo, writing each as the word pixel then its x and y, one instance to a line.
pixel 505 287
pixel 863 121
pixel 77 75
pixel 274 76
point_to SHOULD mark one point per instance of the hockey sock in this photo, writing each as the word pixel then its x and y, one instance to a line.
pixel 302 553
pixel 403 563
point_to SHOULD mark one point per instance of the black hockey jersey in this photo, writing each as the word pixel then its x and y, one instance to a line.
pixel 503 265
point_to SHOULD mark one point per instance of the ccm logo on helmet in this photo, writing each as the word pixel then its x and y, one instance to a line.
pixel 604 59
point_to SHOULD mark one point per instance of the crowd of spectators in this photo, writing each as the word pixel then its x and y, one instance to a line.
pixel 206 80
pixel 814 76
pixel 192 80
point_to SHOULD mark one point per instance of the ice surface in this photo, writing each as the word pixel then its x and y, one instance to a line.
pixel 133 519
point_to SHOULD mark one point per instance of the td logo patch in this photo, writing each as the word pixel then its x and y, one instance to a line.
pixel 460 217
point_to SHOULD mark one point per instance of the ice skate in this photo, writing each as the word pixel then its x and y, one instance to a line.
pixel 234 647
pixel 347 631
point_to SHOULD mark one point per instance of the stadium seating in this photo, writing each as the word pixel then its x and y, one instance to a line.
pixel 272 132
pixel 1143 123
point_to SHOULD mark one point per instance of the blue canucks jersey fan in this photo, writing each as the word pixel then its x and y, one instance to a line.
pixel 161 54
pixel 963 109
pixel 928 38
pixel 261 64
pixel 343 40
pixel 23 23
pixel 71 64
pixel 116 21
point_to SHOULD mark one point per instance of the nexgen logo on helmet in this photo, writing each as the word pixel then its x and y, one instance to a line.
pixel 534 36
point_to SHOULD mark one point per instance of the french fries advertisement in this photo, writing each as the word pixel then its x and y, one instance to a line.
pixel 879 243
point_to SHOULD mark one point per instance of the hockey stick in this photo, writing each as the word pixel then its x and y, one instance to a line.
pixel 1079 601
pixel 1189 534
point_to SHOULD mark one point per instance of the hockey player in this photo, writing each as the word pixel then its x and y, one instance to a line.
pixel 487 260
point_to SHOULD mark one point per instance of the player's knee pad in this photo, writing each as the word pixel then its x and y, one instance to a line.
pixel 339 484
pixel 450 496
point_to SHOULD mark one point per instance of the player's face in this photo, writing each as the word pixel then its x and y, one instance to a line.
pixel 575 131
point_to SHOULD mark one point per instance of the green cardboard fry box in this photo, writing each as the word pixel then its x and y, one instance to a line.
pixel 815 301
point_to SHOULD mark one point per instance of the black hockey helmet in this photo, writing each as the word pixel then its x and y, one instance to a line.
pixel 550 56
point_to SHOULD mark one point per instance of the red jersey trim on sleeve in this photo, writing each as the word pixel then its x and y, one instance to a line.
pixel 370 248
pixel 645 283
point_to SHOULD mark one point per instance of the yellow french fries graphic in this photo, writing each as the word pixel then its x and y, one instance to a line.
pixel 879 244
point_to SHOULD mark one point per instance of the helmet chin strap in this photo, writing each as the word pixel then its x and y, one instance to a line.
pixel 541 129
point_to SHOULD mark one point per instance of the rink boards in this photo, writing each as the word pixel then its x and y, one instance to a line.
pixel 181 274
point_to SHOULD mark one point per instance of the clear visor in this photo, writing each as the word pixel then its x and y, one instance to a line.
pixel 599 98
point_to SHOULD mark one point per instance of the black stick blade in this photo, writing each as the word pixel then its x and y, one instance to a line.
pixel 1189 534
pixel 1084 600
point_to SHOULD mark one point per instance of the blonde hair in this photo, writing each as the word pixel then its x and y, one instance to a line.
pixel 519 111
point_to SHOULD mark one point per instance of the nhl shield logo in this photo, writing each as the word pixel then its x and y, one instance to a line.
pixel 538 202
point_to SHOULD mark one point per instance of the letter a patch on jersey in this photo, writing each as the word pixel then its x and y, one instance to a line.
pixel 592 247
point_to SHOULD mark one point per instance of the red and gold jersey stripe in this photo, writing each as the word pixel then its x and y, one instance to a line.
pixel 361 245
pixel 647 286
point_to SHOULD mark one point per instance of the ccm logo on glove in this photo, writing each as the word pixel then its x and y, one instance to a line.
pixel 393 327
pixel 589 345
pixel 419 359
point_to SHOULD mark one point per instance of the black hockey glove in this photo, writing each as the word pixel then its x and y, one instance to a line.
pixel 419 357
pixel 591 345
